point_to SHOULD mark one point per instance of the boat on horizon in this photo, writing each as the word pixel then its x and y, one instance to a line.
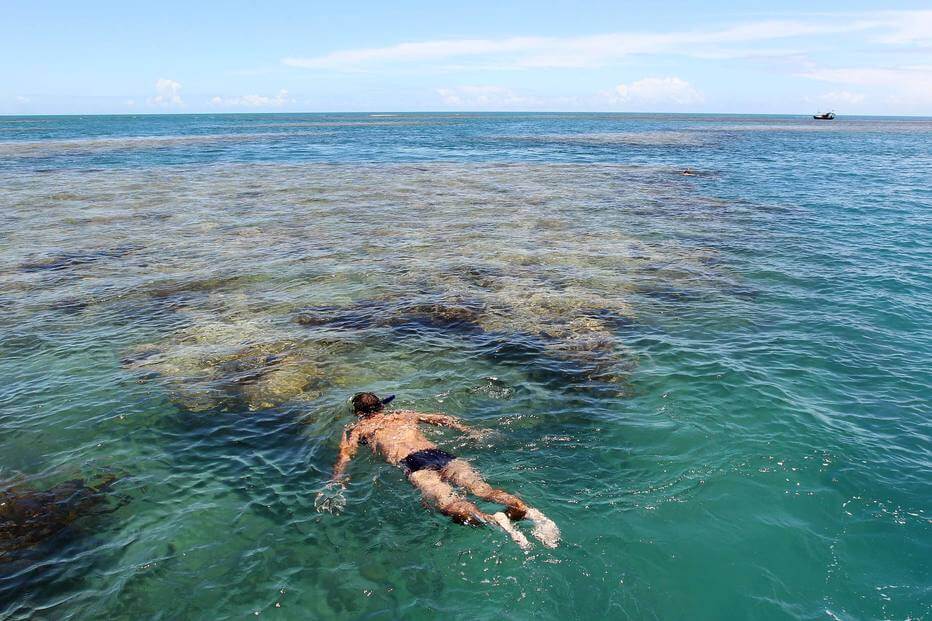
pixel 824 116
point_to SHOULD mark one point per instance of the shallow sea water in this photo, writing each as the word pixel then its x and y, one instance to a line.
pixel 717 385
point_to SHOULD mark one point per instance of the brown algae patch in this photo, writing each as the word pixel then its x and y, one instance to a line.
pixel 31 516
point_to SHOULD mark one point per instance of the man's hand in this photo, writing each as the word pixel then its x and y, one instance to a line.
pixel 445 420
pixel 331 498
pixel 482 434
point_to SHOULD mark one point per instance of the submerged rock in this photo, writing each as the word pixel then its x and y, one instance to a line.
pixel 438 315
pixel 65 260
pixel 175 287
pixel 265 375
pixel 568 324
pixel 575 333
pixel 69 305
pixel 361 315
pixel 29 517
pixel 202 371
pixel 393 313
pixel 582 337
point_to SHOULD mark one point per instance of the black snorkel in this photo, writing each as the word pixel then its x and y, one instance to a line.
pixel 387 400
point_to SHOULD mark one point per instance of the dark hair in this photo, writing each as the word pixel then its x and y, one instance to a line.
pixel 366 403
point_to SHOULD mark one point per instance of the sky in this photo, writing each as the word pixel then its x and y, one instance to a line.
pixel 761 57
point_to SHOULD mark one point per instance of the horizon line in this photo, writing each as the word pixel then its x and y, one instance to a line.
pixel 455 112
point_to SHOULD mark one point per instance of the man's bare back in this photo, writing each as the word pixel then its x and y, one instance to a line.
pixel 396 434
pixel 397 437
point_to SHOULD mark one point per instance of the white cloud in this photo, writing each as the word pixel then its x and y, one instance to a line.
pixel 598 50
pixel 653 92
pixel 23 100
pixel 904 28
pixel 656 91
pixel 872 76
pixel 483 97
pixel 418 51
pixel 254 101
pixel 838 98
pixel 907 86
pixel 168 94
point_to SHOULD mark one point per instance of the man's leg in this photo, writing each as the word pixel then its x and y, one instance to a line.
pixel 439 494
pixel 460 472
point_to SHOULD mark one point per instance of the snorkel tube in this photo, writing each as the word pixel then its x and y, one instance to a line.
pixel 387 399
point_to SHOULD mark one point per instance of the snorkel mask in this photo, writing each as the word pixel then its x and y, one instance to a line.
pixel 365 403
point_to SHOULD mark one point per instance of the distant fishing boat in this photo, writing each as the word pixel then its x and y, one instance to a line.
pixel 824 116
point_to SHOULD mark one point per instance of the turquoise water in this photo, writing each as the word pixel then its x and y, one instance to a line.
pixel 717 385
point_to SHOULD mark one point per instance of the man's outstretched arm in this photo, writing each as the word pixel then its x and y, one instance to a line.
pixel 445 420
pixel 348 445
pixel 331 499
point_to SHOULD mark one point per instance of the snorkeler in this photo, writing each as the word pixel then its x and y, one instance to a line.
pixel 434 472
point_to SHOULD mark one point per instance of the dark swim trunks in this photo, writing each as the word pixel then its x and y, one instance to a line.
pixel 427 459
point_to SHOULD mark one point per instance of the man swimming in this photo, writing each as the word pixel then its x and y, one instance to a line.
pixel 395 434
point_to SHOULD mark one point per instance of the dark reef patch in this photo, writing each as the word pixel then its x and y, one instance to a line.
pixel 68 259
pixel 29 517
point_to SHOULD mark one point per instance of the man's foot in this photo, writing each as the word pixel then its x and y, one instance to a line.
pixel 516 535
pixel 544 528
pixel 516 512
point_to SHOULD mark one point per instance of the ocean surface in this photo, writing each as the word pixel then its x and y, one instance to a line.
pixel 719 385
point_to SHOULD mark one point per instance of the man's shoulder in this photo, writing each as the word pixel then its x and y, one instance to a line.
pixel 356 427
pixel 401 414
